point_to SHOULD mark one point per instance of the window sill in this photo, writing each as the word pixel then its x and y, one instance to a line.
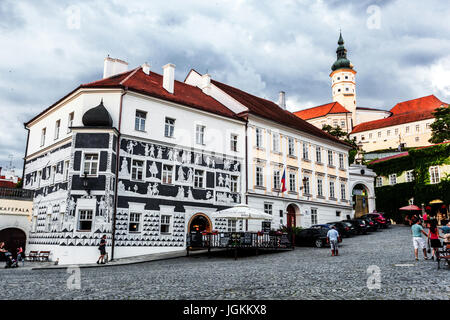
pixel 342 169
pixel 277 152
pixel 306 160
pixel 319 163
pixel 320 197
pixel 260 148
pixel 307 195
pixel 331 166
pixel 276 190
pixel 291 156
pixel 143 131
pixel 293 192
pixel 259 188
pixel 332 199
pixel 165 233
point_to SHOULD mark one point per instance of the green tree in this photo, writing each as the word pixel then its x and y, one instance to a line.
pixel 440 128
pixel 340 134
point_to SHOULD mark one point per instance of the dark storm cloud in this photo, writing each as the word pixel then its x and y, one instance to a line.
pixel 261 47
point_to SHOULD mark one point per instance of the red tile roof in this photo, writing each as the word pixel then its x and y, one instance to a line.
pixel 136 80
pixel 271 111
pixel 320 111
pixel 424 103
pixel 404 112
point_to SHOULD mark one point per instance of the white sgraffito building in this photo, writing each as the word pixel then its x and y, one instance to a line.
pixel 144 159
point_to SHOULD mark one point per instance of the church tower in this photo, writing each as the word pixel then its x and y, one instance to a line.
pixel 343 80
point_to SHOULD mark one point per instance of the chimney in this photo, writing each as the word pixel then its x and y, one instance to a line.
pixel 113 66
pixel 205 84
pixel 282 100
pixel 146 68
pixel 169 77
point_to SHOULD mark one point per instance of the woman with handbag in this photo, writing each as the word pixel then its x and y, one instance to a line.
pixel 433 235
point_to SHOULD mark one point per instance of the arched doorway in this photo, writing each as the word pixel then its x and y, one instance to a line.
pixel 360 197
pixel 200 222
pixel 291 220
pixel 13 239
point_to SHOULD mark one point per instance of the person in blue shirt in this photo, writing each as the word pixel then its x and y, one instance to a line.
pixel 333 240
pixel 446 231
pixel 418 241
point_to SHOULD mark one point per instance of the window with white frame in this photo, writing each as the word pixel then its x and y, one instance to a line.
pixel 57 127
pixel 275 142
pixel 313 216
pixel 388 133
pixel 392 178
pixel 291 146
pixel 342 123
pixel 199 178
pixel 85 220
pixel 90 164
pixel 379 182
pixel 268 207
pixel 233 142
pixel 231 226
pixel 305 151
pixel 343 193
pixel 43 133
pixel 134 223
pixel 165 224
pixel 169 127
pixel 200 134
pixel 276 179
pixel 409 175
pixel 53 175
pixel 331 189
pixel 139 120
pixel 137 170
pixel 167 174
pixel 259 140
pixel 234 185
pixel 70 121
pixel 306 190
pixel 292 180
pixel 396 131
pixel 66 170
pixel 417 128
pixel 318 155
pixel 341 161
pixel 370 135
pixel 319 188
pixel 407 129
pixel 379 134
pixel 259 176
pixel 330 158
pixel 434 175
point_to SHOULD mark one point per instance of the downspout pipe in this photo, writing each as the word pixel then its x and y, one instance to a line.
pixel 116 193
pixel 26 153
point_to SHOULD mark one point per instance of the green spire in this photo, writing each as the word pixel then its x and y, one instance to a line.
pixel 341 56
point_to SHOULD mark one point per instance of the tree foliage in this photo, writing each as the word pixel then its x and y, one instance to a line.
pixel 440 128
pixel 344 136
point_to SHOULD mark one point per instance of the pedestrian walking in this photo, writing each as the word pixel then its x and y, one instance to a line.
pixel 102 248
pixel 333 240
pixel 418 241
pixel 20 256
pixel 433 235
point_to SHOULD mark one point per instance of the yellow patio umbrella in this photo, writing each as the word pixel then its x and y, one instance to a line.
pixel 436 201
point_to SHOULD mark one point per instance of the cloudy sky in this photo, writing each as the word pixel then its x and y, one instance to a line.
pixel 400 49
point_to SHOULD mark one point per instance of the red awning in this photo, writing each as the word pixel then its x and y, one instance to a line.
pixel 411 208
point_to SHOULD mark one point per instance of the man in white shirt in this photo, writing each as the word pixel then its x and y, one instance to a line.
pixel 333 240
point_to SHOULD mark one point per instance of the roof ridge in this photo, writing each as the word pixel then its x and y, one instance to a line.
pixel 130 75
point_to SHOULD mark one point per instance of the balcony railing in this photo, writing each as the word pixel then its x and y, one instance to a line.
pixel 16 194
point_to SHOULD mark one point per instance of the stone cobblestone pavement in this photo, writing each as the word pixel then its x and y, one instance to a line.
pixel 305 273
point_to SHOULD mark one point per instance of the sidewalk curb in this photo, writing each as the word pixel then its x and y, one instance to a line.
pixel 112 264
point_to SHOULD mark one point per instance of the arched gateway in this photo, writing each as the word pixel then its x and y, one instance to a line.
pixel 200 222
pixel 360 197
pixel 13 239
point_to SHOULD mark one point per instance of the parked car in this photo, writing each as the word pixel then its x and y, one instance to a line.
pixel 324 226
pixel 342 228
pixel 373 225
pixel 352 229
pixel 379 219
pixel 312 237
pixel 360 225
pixel 388 221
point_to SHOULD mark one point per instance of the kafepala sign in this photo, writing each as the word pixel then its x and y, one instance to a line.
pixel 19 207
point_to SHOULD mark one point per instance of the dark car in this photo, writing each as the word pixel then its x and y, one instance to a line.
pixel 351 228
pixel 382 222
pixel 373 225
pixel 360 225
pixel 312 237
pixel 323 226
pixel 342 228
